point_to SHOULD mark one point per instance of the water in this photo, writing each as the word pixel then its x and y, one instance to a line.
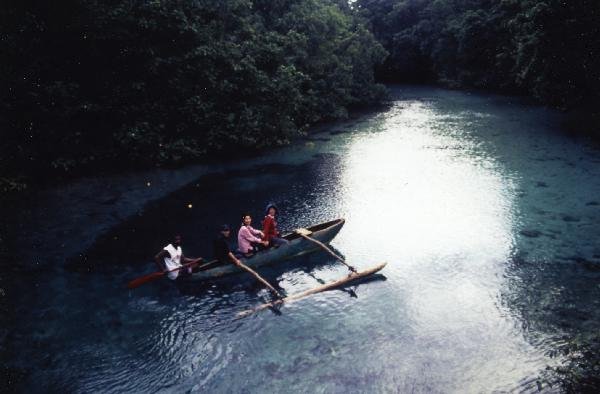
pixel 484 210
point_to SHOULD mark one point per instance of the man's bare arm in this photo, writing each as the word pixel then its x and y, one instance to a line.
pixel 159 259
pixel 186 260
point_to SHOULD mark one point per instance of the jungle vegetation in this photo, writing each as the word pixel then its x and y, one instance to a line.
pixel 97 84
pixel 91 84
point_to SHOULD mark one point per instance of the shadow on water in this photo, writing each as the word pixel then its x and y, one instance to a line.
pixel 558 304
pixel 197 210
pixel 436 325
pixel 86 295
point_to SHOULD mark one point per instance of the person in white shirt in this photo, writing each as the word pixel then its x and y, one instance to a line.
pixel 171 257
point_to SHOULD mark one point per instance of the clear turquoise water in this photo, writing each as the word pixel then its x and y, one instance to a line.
pixel 485 211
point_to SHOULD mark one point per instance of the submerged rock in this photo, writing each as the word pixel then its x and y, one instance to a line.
pixel 531 233
pixel 569 218
pixel 519 259
pixel 338 132
pixel 589 265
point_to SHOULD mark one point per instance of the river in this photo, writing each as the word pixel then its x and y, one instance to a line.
pixel 484 209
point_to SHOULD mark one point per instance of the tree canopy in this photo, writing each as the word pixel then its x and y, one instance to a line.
pixel 94 82
pixel 549 49
pixel 91 83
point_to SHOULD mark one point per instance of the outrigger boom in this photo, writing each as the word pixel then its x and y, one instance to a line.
pixel 353 276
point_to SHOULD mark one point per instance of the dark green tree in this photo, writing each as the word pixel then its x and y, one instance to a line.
pixel 548 49
pixel 91 83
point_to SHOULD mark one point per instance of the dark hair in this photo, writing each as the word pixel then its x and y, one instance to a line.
pixel 269 206
pixel 224 227
pixel 244 216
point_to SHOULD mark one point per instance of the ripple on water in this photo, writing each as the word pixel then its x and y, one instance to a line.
pixel 425 187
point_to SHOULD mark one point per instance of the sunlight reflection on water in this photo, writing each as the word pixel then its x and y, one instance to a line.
pixel 428 200
pixel 442 186
pixel 442 215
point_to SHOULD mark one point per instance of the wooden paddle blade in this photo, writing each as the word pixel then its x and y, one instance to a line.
pixel 144 279
pixel 303 231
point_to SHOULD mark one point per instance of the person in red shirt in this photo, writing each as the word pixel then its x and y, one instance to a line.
pixel 271 234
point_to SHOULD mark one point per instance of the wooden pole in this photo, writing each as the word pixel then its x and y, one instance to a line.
pixel 258 277
pixel 328 286
pixel 328 250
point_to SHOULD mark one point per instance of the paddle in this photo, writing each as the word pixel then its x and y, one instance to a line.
pixel 304 233
pixel 155 275
pixel 258 277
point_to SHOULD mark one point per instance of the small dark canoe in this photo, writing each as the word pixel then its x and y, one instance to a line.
pixel 323 232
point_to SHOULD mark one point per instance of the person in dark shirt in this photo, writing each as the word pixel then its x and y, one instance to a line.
pixel 223 253
pixel 221 246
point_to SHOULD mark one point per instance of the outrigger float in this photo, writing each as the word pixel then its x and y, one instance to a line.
pixel 352 277
pixel 301 241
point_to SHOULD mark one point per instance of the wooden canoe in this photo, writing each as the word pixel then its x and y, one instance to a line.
pixel 323 232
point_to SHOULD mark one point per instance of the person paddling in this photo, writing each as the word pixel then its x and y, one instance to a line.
pixel 270 227
pixel 223 253
pixel 171 257
pixel 249 238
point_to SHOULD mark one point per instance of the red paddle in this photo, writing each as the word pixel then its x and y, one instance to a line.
pixel 155 275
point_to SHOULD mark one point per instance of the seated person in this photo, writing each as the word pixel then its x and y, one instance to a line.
pixel 221 249
pixel 249 238
pixel 170 258
pixel 223 254
pixel 271 234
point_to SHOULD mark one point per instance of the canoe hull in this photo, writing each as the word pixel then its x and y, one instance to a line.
pixel 297 246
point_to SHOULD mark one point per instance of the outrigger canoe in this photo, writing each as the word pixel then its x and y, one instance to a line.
pixel 323 232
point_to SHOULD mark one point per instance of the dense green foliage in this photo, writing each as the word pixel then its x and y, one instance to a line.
pixel 549 49
pixel 98 83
